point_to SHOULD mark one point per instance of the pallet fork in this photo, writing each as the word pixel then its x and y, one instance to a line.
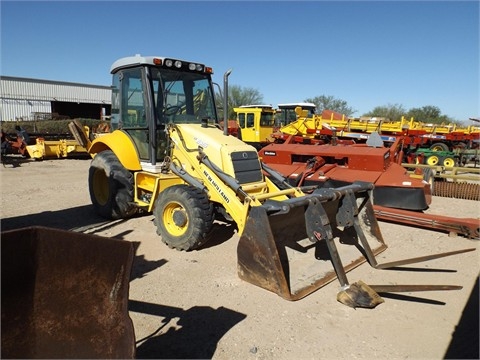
pixel 293 260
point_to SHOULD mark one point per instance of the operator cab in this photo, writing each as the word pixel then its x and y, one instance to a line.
pixel 150 92
pixel 286 112
pixel 246 116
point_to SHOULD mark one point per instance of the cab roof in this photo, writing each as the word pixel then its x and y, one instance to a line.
pixel 133 60
pixel 130 61
pixel 293 105
pixel 257 106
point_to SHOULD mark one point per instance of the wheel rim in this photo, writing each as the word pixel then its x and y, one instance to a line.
pixel 101 187
pixel 175 219
pixel 432 160
pixel 430 181
pixel 449 162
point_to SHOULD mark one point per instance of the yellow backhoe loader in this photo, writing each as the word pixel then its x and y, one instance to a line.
pixel 167 155
pixel 255 124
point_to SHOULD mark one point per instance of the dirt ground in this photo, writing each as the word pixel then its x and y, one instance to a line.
pixel 193 305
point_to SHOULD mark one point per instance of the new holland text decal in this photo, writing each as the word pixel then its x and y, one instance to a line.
pixel 216 186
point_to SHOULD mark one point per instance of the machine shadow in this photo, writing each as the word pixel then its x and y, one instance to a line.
pixel 195 335
pixel 465 339
pixel 221 232
pixel 79 219
pixel 142 266
pixel 13 161
pixel 65 219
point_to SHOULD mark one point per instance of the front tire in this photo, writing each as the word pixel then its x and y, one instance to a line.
pixel 183 216
pixel 111 187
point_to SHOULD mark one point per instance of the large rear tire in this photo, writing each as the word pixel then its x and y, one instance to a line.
pixel 111 187
pixel 439 147
pixel 183 216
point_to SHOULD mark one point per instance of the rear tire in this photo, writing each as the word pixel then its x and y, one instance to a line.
pixel 439 147
pixel 111 187
pixel 183 216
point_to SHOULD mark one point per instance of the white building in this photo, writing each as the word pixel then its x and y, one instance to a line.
pixel 32 99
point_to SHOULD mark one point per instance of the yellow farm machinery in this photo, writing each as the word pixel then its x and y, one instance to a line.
pixel 52 149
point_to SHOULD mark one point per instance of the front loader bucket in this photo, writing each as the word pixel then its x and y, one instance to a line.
pixel 65 295
pixel 284 246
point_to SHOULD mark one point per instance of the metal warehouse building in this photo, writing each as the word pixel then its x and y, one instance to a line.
pixel 34 99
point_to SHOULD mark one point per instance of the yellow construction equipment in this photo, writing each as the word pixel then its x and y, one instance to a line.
pixel 365 124
pixel 256 123
pixel 46 149
pixel 167 155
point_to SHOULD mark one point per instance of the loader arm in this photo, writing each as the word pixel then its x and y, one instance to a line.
pixel 220 184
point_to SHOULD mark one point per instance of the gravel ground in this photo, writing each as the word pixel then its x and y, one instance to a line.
pixel 193 305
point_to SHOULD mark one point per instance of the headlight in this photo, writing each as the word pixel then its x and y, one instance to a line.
pixel 178 64
pixel 168 63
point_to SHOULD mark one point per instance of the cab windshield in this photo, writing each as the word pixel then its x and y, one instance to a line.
pixel 182 97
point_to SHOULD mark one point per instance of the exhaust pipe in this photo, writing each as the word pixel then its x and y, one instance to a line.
pixel 225 101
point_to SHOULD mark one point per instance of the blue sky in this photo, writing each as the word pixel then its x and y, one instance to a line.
pixel 368 53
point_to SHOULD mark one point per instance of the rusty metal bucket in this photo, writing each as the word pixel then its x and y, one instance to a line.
pixel 65 295
pixel 289 248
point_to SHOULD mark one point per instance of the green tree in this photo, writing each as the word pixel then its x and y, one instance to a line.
pixel 324 102
pixel 237 96
pixel 391 111
pixel 429 114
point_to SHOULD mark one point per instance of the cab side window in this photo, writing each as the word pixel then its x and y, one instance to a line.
pixel 266 120
pixel 133 107
pixel 241 120
pixel 133 114
pixel 250 120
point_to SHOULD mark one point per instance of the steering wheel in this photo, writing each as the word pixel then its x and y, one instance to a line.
pixel 172 110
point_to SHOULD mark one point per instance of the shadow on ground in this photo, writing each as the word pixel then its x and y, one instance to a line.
pixel 192 333
pixel 80 219
pixel 465 339
pixel 65 219
pixel 188 334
